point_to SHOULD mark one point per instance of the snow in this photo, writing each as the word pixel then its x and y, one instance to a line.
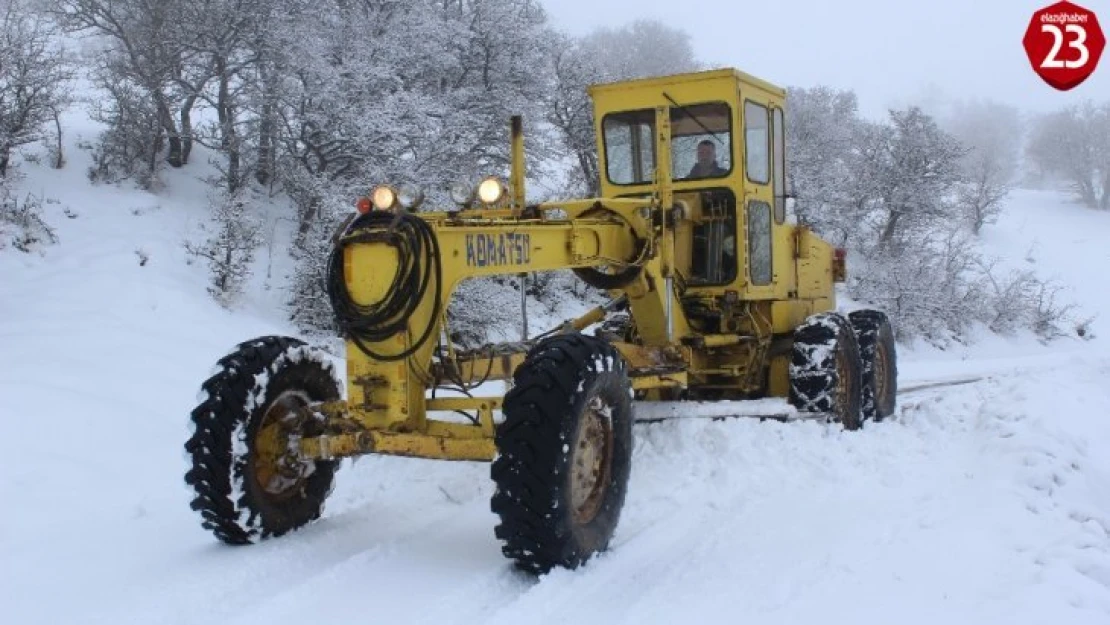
pixel 978 503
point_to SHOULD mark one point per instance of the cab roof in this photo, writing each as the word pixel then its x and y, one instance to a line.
pixel 727 73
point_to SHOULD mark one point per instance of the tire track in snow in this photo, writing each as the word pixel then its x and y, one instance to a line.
pixel 1057 477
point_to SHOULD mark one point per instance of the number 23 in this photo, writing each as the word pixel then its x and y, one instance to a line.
pixel 1058 41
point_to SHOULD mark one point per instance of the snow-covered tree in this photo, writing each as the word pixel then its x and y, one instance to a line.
pixel 216 46
pixel 229 249
pixel 357 107
pixel 132 142
pixel 34 76
pixel 907 169
pixel 992 134
pixel 641 48
pixel 1074 143
pixel 822 128
pixel 21 223
pixel 138 60
pixel 891 191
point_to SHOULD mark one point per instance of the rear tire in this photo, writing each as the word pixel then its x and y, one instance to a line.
pixel 247 486
pixel 564 453
pixel 826 371
pixel 880 366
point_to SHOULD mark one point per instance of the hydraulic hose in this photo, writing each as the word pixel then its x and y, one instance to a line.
pixel 418 263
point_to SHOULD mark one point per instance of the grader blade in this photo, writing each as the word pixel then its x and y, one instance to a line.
pixel 774 409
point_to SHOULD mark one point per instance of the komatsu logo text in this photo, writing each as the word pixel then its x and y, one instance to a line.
pixel 486 250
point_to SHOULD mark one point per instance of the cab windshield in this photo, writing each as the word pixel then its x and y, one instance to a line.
pixel 701 140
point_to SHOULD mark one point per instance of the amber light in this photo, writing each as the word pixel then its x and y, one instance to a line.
pixel 364 205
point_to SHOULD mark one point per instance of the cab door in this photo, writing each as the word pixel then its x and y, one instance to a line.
pixel 782 244
pixel 759 198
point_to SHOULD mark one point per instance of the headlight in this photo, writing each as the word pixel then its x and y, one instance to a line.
pixel 490 190
pixel 461 193
pixel 410 196
pixel 383 197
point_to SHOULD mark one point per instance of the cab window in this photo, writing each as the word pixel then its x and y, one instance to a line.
pixel 629 146
pixel 713 237
pixel 759 242
pixel 780 165
pixel 701 141
pixel 756 143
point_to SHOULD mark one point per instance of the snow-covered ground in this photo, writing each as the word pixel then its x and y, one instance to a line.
pixel 987 502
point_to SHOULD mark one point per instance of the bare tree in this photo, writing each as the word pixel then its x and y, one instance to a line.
pixel 992 134
pixel 1074 143
pixel 131 145
pixel 34 74
pixel 639 49
pixel 569 110
pixel 906 169
pixel 215 47
pixel 822 127
pixel 890 191
pixel 230 247
pixel 142 49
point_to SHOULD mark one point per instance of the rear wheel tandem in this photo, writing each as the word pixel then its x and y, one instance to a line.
pixel 564 453
pixel 880 366
pixel 248 482
pixel 826 371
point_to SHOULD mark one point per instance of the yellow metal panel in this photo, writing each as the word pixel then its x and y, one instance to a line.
pixel 787 314
pixel 464 403
pixel 367 287
pixel 728 75
pixel 815 275
pixel 778 378
pixel 669 380
pixel 391 395
pixel 398 444
pixel 439 447
pixel 444 429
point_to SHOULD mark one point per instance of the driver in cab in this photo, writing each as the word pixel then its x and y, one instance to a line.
pixel 706 166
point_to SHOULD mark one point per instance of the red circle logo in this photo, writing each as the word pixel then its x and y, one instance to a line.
pixel 1064 43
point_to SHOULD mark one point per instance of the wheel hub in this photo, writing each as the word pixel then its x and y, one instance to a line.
pixel 880 372
pixel 592 460
pixel 278 468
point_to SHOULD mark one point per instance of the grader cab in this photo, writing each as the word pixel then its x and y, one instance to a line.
pixel 716 294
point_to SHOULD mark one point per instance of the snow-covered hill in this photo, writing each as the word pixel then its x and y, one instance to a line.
pixel 981 503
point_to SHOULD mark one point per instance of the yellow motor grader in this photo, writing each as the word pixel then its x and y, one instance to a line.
pixel 717 294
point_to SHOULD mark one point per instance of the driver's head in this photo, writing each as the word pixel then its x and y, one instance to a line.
pixel 707 153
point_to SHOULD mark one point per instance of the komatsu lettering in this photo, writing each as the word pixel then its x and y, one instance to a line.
pixel 498 250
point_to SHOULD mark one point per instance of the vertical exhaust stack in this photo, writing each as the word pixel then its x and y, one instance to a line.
pixel 516 176
pixel 516 182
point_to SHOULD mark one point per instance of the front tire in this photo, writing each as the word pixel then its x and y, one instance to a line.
pixel 564 453
pixel 825 369
pixel 248 483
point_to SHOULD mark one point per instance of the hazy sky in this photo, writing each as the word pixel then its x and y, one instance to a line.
pixel 889 52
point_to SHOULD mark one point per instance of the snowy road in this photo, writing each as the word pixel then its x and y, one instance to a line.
pixel 971 506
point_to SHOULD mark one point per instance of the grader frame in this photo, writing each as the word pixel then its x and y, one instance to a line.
pixel 387 402
pixel 725 297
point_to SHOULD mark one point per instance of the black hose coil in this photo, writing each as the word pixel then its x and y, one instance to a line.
pixel 418 262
